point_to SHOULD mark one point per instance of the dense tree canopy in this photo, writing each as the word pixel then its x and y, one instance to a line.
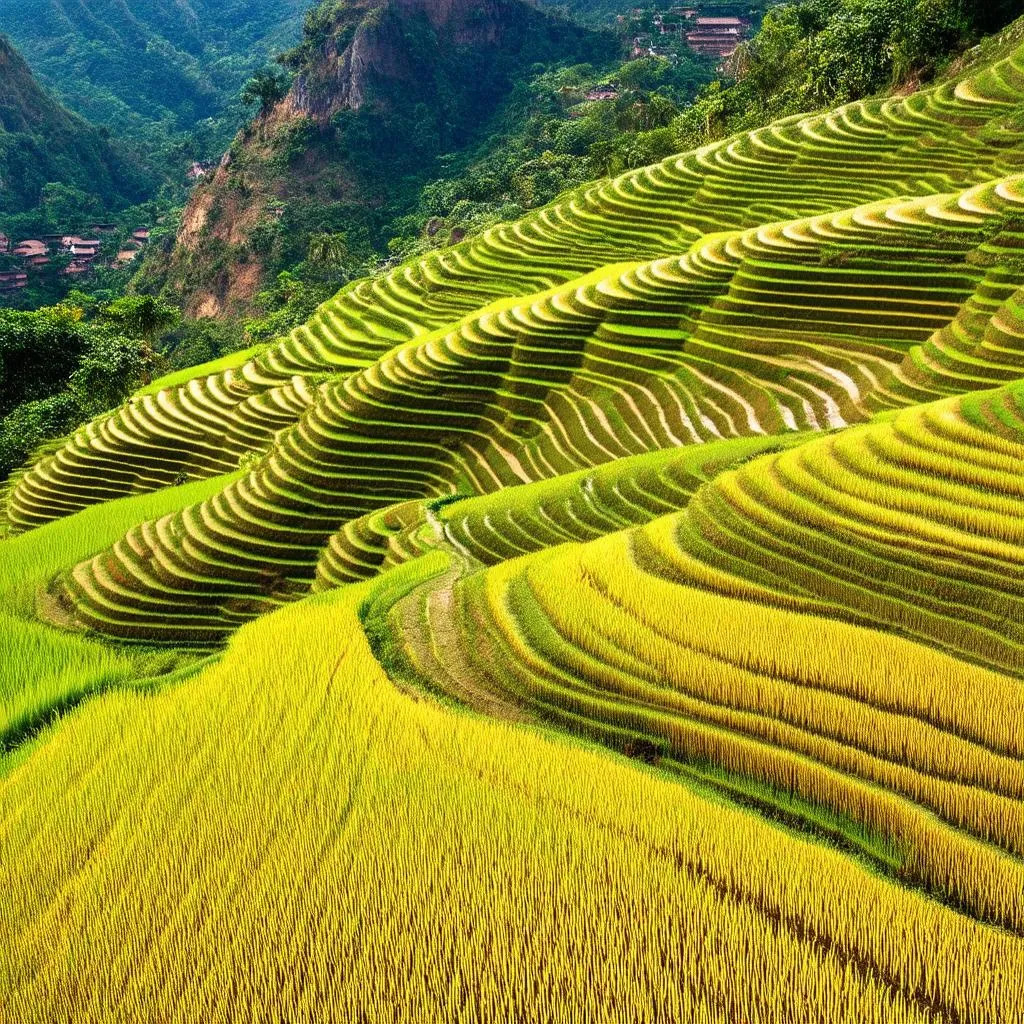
pixel 164 75
pixel 52 159
pixel 62 365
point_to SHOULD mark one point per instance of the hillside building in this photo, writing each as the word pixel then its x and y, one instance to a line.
pixel 11 280
pixel 717 37
pixel 30 248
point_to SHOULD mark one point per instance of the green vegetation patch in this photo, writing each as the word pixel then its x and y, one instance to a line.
pixel 47 671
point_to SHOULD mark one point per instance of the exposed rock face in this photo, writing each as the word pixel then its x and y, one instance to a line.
pixel 445 66
pixel 352 68
pixel 340 79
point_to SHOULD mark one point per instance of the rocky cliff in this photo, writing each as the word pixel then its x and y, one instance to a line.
pixel 381 88
pixel 363 65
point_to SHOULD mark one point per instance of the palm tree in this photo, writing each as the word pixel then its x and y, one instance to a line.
pixel 142 316
pixel 328 250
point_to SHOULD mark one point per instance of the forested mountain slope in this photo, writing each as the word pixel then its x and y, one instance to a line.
pixel 131 64
pixel 42 142
pixel 381 89
pixel 717 465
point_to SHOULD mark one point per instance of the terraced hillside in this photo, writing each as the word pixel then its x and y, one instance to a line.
pixel 937 142
pixel 841 621
pixel 718 466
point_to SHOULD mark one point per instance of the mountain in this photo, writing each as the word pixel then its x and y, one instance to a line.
pixel 615 616
pixel 715 466
pixel 41 142
pixel 137 65
pixel 381 88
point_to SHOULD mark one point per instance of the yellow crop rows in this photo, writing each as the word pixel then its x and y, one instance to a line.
pixel 618 616
pixel 244 848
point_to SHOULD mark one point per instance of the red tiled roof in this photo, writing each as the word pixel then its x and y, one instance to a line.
pixel 30 247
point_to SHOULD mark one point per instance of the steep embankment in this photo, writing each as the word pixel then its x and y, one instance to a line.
pixel 382 87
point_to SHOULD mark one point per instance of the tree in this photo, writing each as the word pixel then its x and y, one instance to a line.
pixel 141 316
pixel 27 426
pixel 266 88
pixel 38 351
pixel 111 369
pixel 67 208
pixel 58 368
pixel 646 113
pixel 328 250
pixel 649 147
pixel 704 120
pixel 576 136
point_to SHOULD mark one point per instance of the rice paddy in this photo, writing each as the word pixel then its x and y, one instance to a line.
pixel 622 618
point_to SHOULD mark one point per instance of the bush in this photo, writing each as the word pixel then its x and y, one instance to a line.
pixel 31 423
pixel 63 364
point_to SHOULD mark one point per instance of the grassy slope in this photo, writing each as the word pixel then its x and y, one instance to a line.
pixel 229 362
pixel 46 669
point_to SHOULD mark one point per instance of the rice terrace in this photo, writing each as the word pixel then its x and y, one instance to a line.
pixel 616 615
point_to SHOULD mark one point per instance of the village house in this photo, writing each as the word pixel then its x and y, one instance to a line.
pixel 31 247
pixel 717 37
pixel 84 252
pixel 125 256
pixel 33 252
pixel 128 252
pixel 10 280
pixel 73 242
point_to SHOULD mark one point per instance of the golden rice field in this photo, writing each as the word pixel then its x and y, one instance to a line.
pixel 618 616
